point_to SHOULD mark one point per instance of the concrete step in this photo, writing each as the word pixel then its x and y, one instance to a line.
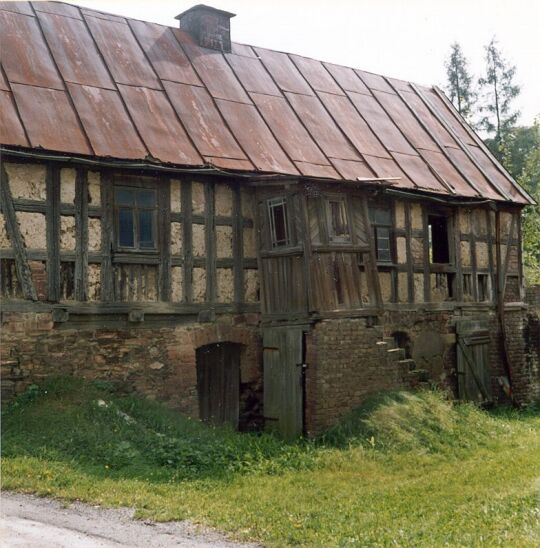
pixel 408 363
pixel 397 353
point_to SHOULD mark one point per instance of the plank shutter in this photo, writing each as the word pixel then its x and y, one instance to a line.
pixel 283 380
pixel 218 383
pixel 474 380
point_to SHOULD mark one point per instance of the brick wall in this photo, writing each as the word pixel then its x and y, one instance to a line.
pixel 157 362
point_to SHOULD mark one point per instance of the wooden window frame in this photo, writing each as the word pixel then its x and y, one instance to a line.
pixel 332 236
pixel 449 230
pixel 376 226
pixel 154 250
pixel 271 204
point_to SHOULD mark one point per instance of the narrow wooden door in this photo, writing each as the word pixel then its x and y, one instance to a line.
pixel 474 379
pixel 283 380
pixel 218 383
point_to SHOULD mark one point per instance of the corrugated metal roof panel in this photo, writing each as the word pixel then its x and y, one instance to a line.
pixel 25 56
pixel 104 16
pixel 255 137
pixel 252 74
pixel 283 71
pixel 472 173
pixel 158 126
pixel 419 172
pixel 106 122
pixel 314 170
pixel 353 125
pixel 350 170
pixel 58 8
pixel 167 57
pixel 74 51
pixel 387 167
pixel 406 122
pixel 347 78
pixel 17 7
pixel 374 81
pixel 316 75
pixel 379 121
pixel 122 53
pixel 3 81
pixel 11 130
pixel 49 119
pixel 229 163
pixel 203 121
pixel 242 49
pixel 448 172
pixel 285 125
pixel 216 74
pixel 322 128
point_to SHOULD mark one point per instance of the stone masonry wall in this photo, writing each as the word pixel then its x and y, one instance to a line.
pixel 157 362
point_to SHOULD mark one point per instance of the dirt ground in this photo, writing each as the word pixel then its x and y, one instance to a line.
pixel 28 521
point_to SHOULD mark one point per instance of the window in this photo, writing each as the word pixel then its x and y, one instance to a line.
pixel 279 222
pixel 439 251
pixel 484 289
pixel 338 224
pixel 136 211
pixel 381 221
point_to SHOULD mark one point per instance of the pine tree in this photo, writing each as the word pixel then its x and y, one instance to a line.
pixel 498 90
pixel 459 86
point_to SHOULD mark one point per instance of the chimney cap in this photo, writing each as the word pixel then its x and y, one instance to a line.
pixel 204 7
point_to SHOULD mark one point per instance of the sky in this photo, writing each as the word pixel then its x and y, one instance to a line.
pixel 407 39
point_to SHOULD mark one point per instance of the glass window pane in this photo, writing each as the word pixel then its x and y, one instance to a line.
pixel 380 216
pixel 146 232
pixel 125 227
pixel 125 196
pixel 382 236
pixel 146 198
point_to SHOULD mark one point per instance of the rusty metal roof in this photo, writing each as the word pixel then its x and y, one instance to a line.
pixel 84 82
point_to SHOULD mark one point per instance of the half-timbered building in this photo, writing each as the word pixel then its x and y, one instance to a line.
pixel 251 236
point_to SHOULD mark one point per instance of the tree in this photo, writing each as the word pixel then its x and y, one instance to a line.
pixel 498 91
pixel 530 181
pixel 459 86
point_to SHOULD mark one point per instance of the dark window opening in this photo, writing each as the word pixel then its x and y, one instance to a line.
pixel 136 218
pixel 483 288
pixel 381 221
pixel 337 221
pixel 439 250
pixel 403 340
pixel 279 222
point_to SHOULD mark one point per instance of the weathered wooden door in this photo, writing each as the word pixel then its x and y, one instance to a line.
pixel 283 380
pixel 474 379
pixel 218 383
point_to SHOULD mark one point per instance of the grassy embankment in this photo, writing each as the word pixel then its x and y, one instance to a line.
pixel 404 470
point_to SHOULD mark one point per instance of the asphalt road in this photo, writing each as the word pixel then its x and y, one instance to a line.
pixel 28 521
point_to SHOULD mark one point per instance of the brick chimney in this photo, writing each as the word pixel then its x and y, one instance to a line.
pixel 210 27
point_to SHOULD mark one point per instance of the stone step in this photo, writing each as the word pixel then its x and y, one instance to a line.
pixel 419 375
pixel 408 363
pixel 397 353
pixel 390 341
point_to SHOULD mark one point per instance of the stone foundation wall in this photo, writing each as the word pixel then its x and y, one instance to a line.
pixel 157 362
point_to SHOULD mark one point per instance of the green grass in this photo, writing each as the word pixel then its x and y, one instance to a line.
pixel 405 469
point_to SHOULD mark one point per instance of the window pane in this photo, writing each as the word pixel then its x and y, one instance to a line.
pixel 146 198
pixel 380 216
pixel 125 227
pixel 125 196
pixel 382 238
pixel 146 232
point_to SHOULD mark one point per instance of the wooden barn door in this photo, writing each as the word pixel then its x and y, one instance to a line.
pixel 283 380
pixel 474 379
pixel 218 383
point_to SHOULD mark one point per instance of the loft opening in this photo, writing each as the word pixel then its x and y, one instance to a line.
pixel 338 220
pixel 439 249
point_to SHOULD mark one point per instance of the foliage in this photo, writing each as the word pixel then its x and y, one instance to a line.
pixel 530 181
pixel 498 91
pixel 403 470
pixel 459 83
